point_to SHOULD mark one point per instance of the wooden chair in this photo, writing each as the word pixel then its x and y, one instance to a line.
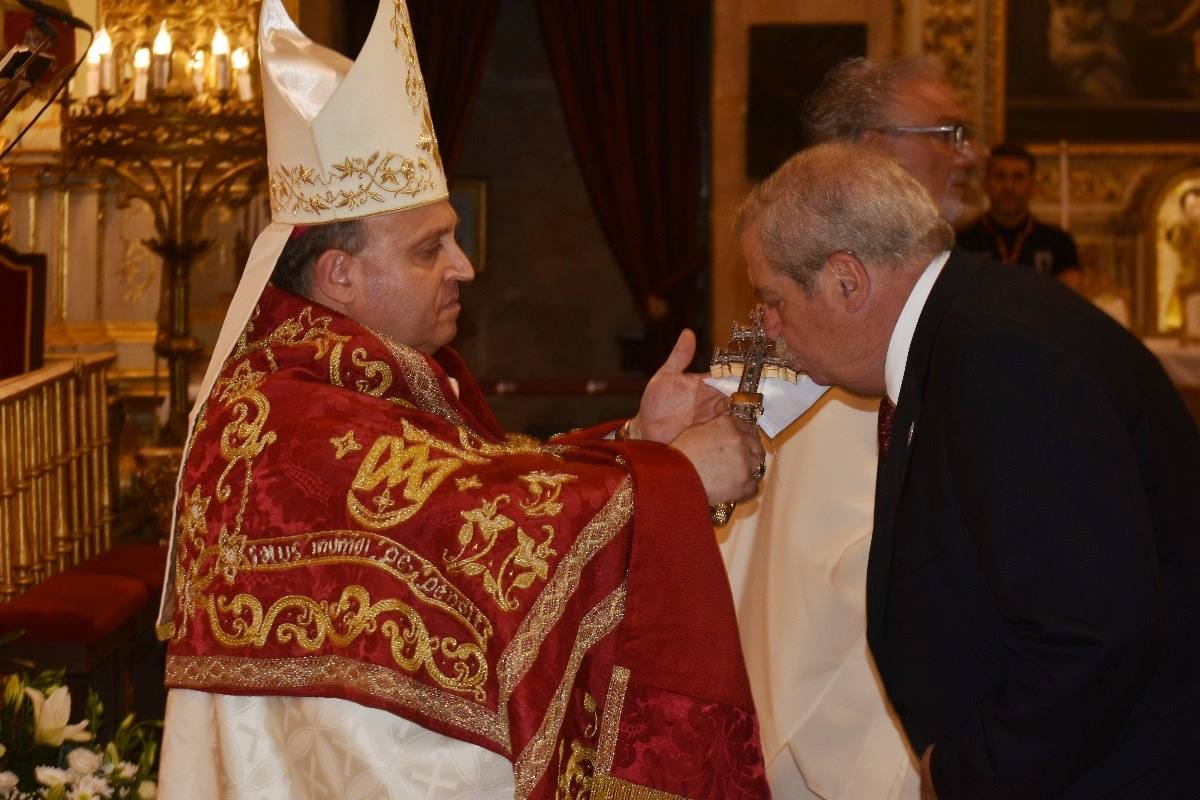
pixel 22 311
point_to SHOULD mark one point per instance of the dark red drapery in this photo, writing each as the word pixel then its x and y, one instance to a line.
pixel 453 38
pixel 632 77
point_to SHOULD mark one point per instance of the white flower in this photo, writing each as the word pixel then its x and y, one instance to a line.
pixel 83 761
pixel 51 776
pixel 8 781
pixel 50 718
pixel 148 790
pixel 91 787
pixel 125 770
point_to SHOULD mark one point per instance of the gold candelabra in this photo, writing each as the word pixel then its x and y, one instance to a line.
pixel 169 107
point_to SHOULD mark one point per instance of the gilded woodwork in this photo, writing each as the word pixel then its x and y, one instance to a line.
pixel 54 479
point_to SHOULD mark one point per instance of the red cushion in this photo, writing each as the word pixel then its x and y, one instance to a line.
pixel 140 562
pixel 73 607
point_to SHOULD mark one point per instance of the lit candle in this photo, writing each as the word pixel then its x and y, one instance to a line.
pixel 220 52
pixel 162 59
pixel 241 69
pixel 1064 187
pixel 108 67
pixel 141 76
pixel 92 86
pixel 197 68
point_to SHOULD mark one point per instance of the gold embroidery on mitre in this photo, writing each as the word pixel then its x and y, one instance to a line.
pixel 310 623
pixel 344 445
pixel 527 561
pixel 353 182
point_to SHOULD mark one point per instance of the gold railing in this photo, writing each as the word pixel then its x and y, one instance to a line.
pixel 55 479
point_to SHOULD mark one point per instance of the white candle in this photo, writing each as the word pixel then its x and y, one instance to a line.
pixel 107 66
pixel 92 84
pixel 141 74
pixel 197 68
pixel 220 52
pixel 1064 187
pixel 162 59
pixel 241 69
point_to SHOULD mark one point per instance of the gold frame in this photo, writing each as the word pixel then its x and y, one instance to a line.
pixel 471 193
pixel 994 91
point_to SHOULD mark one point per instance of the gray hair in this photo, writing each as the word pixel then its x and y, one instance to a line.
pixel 842 196
pixel 293 270
pixel 851 98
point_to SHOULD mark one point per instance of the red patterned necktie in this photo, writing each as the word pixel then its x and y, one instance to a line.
pixel 887 415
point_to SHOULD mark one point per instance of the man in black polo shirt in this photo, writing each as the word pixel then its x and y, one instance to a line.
pixel 1008 232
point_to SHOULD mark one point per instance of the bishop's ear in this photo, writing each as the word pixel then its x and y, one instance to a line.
pixel 850 280
pixel 333 279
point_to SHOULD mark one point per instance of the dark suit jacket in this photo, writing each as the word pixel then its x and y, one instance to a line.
pixel 1034 575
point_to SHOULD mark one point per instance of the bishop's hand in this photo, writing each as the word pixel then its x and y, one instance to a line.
pixel 675 399
pixel 724 452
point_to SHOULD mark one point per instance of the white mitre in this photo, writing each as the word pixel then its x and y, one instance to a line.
pixel 337 148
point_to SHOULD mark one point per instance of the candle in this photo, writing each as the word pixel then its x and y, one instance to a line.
pixel 1064 187
pixel 162 59
pixel 197 68
pixel 241 69
pixel 220 53
pixel 141 70
pixel 107 66
pixel 92 85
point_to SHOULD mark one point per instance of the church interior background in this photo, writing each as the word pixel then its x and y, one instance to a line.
pixel 142 242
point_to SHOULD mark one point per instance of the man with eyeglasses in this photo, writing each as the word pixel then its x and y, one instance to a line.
pixel 1008 232
pixel 797 555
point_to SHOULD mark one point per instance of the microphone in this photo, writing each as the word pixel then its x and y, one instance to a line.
pixel 55 13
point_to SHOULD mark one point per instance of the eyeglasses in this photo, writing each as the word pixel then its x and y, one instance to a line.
pixel 955 133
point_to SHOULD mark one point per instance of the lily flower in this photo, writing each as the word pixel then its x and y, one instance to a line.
pixel 50 716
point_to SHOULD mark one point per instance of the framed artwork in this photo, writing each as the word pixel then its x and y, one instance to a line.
pixel 1099 71
pixel 468 197
pixel 787 64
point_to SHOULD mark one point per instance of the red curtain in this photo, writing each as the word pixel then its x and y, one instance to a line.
pixel 632 78
pixel 453 38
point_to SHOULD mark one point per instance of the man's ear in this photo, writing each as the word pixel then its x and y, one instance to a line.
pixel 333 281
pixel 851 281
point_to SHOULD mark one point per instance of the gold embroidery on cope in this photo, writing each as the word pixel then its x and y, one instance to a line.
pixel 310 623
pixel 575 773
pixel 546 487
pixel 468 483
pixel 392 461
pixel 269 675
pixel 531 764
pixel 547 609
pixel 517 570
pixel 606 787
pixel 362 548
pixel 610 720
pixel 344 445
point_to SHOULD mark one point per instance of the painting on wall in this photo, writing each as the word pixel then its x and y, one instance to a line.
pixel 1102 70
pixel 1178 249
pixel 787 64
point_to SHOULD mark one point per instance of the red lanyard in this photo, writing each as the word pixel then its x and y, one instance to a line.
pixel 1006 255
